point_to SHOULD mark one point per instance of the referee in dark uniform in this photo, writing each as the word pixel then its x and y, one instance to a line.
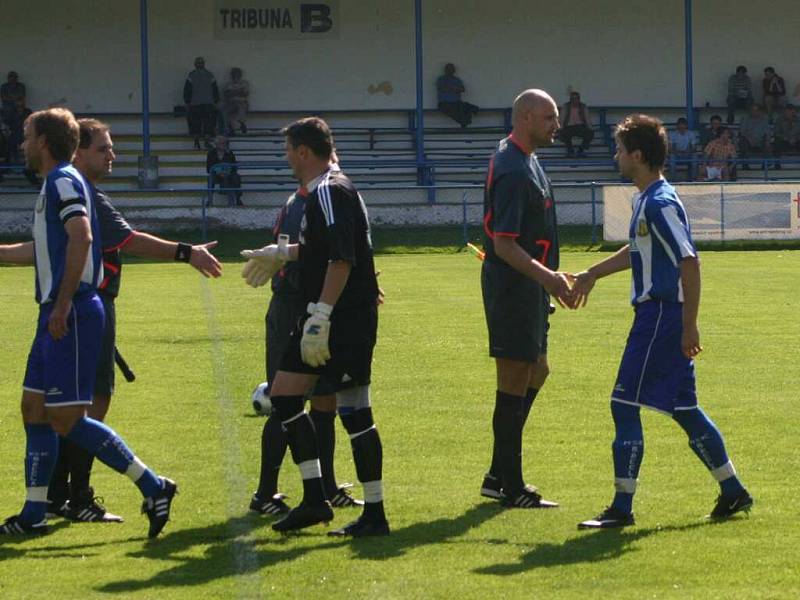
pixel 70 494
pixel 518 278
pixel 337 335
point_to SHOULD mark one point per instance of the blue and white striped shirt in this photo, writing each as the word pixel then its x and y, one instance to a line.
pixel 65 194
pixel 660 237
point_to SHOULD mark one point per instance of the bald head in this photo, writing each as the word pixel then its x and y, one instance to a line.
pixel 529 101
pixel 534 119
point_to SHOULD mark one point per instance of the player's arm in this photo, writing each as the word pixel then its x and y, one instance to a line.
pixel 556 283
pixel 511 191
pixel 18 254
pixel 690 282
pixel 79 242
pixel 198 255
pixel 584 281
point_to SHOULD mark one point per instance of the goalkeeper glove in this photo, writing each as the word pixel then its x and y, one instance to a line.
pixel 263 263
pixel 314 343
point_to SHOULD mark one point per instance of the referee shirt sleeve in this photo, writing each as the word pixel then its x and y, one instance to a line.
pixel 671 228
pixel 510 199
pixel 115 231
pixel 70 200
pixel 339 209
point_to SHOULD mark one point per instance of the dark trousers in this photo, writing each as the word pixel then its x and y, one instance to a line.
pixel 460 112
pixel 734 103
pixel 202 120
pixel 572 131
pixel 230 180
pixel 746 149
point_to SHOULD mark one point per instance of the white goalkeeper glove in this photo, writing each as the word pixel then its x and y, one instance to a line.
pixel 314 343
pixel 263 263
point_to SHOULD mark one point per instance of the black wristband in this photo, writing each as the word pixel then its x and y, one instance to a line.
pixel 183 253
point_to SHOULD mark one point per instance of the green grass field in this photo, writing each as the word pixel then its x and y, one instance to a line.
pixel 197 348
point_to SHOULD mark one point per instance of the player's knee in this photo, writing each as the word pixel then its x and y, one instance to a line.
pixel 32 408
pixel 99 407
pixel 63 419
pixel 539 373
pixel 355 410
pixel 287 407
pixel 324 403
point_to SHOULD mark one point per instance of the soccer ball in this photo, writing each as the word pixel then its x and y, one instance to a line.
pixel 262 405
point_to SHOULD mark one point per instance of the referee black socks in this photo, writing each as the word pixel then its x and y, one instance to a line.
pixel 526 405
pixel 507 426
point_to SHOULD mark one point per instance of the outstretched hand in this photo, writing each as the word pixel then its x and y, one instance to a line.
pixel 584 282
pixel 205 262
pixel 560 288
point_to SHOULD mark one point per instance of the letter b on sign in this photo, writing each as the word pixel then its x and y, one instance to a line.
pixel 315 18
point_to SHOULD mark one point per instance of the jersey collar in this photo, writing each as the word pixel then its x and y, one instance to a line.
pixel 311 186
pixel 514 140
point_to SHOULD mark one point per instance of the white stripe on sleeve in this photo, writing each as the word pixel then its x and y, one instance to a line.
pixel 66 189
pixel 679 231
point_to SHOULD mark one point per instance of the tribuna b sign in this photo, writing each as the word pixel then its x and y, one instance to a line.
pixel 284 20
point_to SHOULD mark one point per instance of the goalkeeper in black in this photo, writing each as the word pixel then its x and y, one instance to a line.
pixel 337 335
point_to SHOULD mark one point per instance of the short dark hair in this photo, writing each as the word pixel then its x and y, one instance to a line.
pixel 60 129
pixel 89 127
pixel 716 118
pixel 769 70
pixel 741 69
pixel 646 134
pixel 682 120
pixel 311 132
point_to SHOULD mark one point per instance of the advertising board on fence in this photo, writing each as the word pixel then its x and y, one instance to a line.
pixel 731 211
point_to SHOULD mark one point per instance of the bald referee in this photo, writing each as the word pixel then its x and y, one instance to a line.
pixel 518 277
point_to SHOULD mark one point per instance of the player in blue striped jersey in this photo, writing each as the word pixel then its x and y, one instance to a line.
pixel 657 367
pixel 60 373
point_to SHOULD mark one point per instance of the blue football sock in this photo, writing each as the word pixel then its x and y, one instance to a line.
pixel 706 442
pixel 628 451
pixel 103 442
pixel 41 454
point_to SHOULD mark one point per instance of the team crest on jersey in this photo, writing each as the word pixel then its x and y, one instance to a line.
pixel 642 229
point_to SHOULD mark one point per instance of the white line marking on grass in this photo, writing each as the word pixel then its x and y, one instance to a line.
pixel 244 553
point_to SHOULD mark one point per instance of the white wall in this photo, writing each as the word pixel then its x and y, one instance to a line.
pixel 614 52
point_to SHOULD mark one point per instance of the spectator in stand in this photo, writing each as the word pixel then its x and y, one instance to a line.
pixel 201 94
pixel 227 176
pixel 787 133
pixel 753 134
pixel 774 91
pixel 16 133
pixel 11 92
pixel 235 95
pixel 683 145
pixel 711 131
pixel 796 95
pixel 575 123
pixel 720 154
pixel 448 91
pixel 740 92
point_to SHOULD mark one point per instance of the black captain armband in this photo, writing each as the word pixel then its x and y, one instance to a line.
pixel 183 253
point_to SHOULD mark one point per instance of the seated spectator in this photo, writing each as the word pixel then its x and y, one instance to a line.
pixel 448 91
pixel 228 176
pixel 787 133
pixel 11 92
pixel 711 131
pixel 16 133
pixel 201 94
pixel 753 134
pixel 236 94
pixel 720 154
pixel 575 122
pixel 740 92
pixel 683 145
pixel 774 91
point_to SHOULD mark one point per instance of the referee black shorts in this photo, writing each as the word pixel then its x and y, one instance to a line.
pixel 352 340
pixel 517 311
pixel 104 379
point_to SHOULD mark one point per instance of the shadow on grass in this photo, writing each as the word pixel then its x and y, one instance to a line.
pixel 586 547
pixel 231 554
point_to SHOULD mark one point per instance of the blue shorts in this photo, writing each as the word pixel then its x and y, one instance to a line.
pixel 654 373
pixel 64 370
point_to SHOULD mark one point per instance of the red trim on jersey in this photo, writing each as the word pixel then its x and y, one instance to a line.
pixel 488 216
pixel 504 234
pixel 121 244
pixel 277 229
pixel 545 244
pixel 519 144
pixel 548 202
pixel 114 269
pixel 486 219
pixel 302 191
